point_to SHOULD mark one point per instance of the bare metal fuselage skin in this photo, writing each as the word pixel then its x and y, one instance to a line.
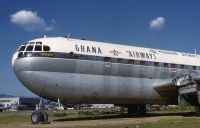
pixel 80 81
pixel 88 81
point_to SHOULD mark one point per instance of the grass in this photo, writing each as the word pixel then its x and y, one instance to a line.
pixel 105 118
pixel 173 123
pixel 14 117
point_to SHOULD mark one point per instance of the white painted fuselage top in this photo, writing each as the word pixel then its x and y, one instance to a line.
pixel 93 48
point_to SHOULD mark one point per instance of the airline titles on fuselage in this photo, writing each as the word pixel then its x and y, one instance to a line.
pixel 173 53
pixel 131 54
pixel 88 49
pixel 141 55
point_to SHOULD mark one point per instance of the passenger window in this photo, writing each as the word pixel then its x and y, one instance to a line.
pixel 46 48
pixel 137 62
pixel 107 59
pixel 22 48
pixel 119 60
pixel 38 48
pixel 125 61
pixel 161 64
pixel 29 48
pixel 156 64
pixel 182 66
pixel 148 63
pixel 71 54
pixel 166 65
pixel 142 62
pixel 194 67
pixel 114 60
pixel 130 61
pixel 173 65
pixel 188 67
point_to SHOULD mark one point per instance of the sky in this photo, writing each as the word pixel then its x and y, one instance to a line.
pixel 162 24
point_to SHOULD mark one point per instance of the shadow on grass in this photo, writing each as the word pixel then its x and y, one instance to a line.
pixel 115 116
pixel 184 114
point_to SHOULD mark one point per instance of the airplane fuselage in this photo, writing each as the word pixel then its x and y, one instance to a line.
pixel 80 71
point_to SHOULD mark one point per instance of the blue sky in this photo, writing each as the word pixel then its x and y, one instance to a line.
pixel 171 25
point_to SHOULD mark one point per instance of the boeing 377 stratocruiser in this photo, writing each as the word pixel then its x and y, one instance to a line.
pixel 81 71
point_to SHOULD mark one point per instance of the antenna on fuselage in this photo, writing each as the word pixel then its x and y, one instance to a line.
pixel 45 36
pixel 68 36
pixel 195 51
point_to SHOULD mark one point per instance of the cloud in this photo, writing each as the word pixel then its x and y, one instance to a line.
pixel 157 23
pixel 53 21
pixel 30 21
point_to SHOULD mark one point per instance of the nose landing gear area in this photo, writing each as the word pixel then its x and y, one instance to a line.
pixel 39 117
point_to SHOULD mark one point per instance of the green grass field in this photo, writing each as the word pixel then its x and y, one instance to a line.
pixel 107 118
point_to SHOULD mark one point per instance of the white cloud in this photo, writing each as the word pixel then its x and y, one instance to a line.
pixel 53 21
pixel 157 23
pixel 30 21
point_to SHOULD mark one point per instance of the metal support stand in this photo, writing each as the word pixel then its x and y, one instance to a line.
pixel 40 104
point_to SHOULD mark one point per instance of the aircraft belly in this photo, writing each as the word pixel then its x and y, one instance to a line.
pixel 85 88
pixel 76 81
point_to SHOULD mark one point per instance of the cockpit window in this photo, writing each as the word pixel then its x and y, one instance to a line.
pixel 31 42
pixel 29 48
pixel 20 54
pixel 33 47
pixel 22 48
pixel 38 42
pixel 46 48
pixel 38 48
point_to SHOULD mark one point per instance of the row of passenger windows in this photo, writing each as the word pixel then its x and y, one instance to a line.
pixel 131 61
pixel 71 55
pixel 150 63
pixel 34 48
